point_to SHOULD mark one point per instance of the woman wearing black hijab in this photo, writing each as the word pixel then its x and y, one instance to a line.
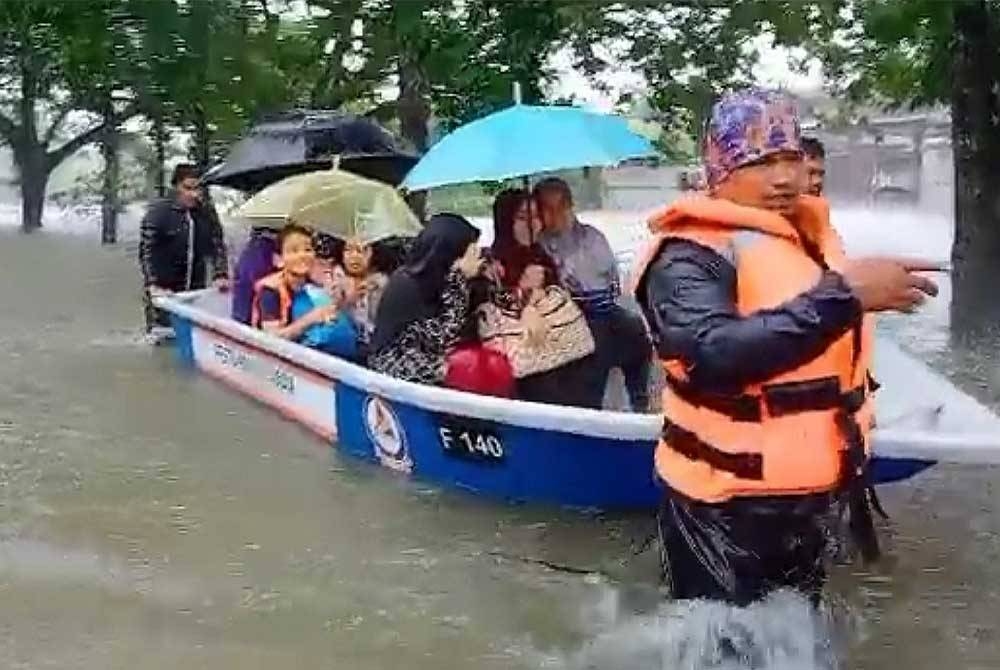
pixel 426 302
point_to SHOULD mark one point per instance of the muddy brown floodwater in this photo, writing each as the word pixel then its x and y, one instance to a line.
pixel 153 519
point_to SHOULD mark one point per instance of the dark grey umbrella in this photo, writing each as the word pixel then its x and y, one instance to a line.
pixel 306 140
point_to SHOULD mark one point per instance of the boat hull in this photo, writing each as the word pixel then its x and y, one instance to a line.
pixel 499 448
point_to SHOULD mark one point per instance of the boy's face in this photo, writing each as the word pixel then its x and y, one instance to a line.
pixel 297 255
pixel 357 258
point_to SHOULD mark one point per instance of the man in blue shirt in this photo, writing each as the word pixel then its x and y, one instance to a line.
pixel 588 270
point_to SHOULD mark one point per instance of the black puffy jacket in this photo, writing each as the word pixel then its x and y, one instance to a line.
pixel 163 245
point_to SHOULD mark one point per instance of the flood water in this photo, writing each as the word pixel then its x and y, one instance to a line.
pixel 153 519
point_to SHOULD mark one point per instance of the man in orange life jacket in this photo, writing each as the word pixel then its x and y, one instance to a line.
pixel 760 323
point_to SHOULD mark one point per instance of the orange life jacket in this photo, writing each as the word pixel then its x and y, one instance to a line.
pixel 276 282
pixel 789 434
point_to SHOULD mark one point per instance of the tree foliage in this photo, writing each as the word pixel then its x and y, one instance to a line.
pixel 211 67
pixel 914 53
pixel 206 67
pixel 690 52
pixel 37 93
pixel 897 53
pixel 459 60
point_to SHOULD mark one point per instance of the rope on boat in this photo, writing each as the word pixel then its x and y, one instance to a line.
pixel 552 565
pixel 632 552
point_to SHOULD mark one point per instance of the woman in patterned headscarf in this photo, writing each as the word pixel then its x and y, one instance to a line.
pixel 425 305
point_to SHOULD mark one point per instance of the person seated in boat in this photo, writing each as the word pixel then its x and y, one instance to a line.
pixel 390 252
pixel 361 284
pixel 327 248
pixel 531 322
pixel 290 305
pixel 425 304
pixel 587 267
pixel 256 261
pixel 516 229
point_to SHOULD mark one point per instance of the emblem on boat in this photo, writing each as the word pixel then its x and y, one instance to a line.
pixel 386 434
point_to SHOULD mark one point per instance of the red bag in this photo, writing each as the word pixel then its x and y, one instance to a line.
pixel 478 369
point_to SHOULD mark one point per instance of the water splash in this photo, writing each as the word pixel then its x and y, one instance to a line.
pixel 783 632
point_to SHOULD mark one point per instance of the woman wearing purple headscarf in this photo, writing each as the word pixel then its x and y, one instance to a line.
pixel 255 262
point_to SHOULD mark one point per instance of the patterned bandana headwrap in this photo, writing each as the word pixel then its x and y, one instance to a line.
pixel 747 126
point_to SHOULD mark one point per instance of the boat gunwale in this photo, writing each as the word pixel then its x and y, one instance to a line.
pixel 609 425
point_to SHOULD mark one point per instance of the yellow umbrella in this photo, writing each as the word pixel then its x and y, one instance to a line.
pixel 339 203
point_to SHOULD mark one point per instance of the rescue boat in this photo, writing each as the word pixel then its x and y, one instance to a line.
pixel 528 452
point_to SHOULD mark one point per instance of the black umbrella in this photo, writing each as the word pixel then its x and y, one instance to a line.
pixel 304 141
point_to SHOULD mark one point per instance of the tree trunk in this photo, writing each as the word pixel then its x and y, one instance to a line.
pixel 202 140
pixel 160 148
pixel 414 109
pixel 591 191
pixel 34 180
pixel 414 112
pixel 29 152
pixel 109 187
pixel 975 108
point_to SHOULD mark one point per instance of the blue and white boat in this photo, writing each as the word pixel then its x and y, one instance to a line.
pixel 528 452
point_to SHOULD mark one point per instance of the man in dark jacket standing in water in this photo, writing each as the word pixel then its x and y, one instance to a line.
pixel 179 236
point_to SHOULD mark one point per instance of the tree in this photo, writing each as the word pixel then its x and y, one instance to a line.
pixel 36 98
pixel 370 43
pixel 208 67
pixel 211 52
pixel 922 52
pixel 690 51
pixel 99 56
pixel 975 117
pixel 893 53
pixel 453 61
pixel 473 57
pixel 347 68
pixel 156 73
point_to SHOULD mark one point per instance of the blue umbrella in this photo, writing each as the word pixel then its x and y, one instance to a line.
pixel 524 140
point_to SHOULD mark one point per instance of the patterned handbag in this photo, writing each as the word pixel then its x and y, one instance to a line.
pixel 568 339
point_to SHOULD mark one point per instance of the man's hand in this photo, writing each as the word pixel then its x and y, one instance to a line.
pixel 221 284
pixel 890 284
pixel 155 291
